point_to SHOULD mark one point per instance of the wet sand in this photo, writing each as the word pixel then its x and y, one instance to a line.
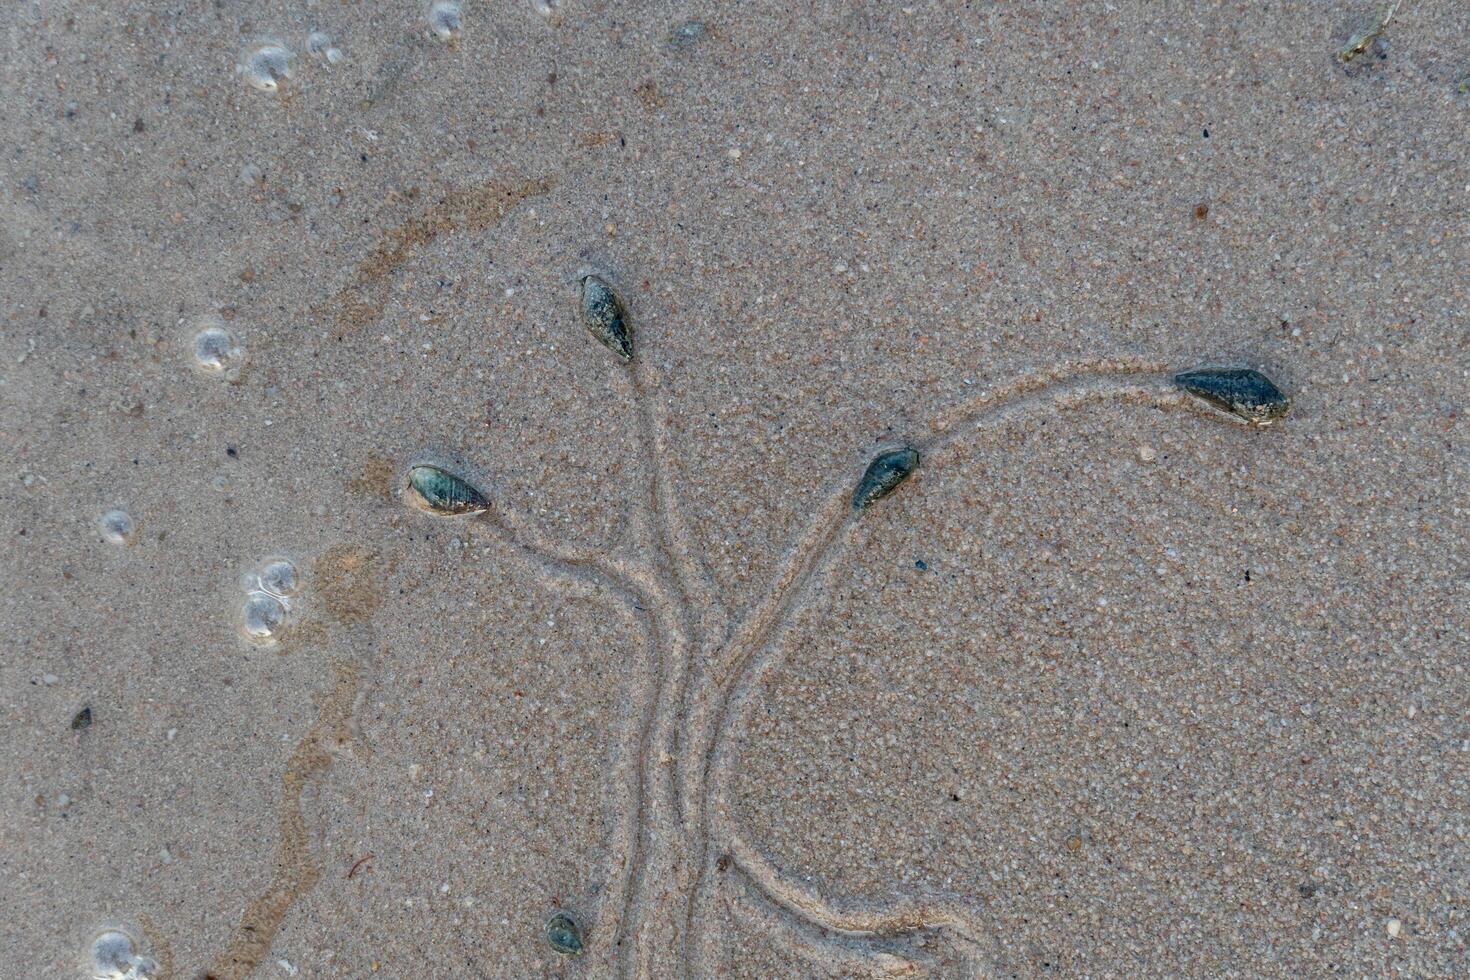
pixel 1113 685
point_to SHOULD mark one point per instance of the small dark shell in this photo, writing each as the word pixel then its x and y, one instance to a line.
pixel 439 492
pixel 605 317
pixel 884 474
pixel 564 935
pixel 82 719
pixel 1240 391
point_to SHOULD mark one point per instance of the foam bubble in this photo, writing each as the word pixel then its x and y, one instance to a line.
pixel 444 19
pixel 278 577
pixel 115 956
pixel 549 9
pixel 263 618
pixel 217 351
pixel 687 34
pixel 117 527
pixel 319 45
pixel 265 66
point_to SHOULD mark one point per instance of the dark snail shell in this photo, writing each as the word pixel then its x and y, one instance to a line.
pixel 564 935
pixel 884 474
pixel 441 492
pixel 605 317
pixel 1240 391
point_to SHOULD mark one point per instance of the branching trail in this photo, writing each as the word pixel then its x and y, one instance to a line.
pixel 655 933
pixel 677 863
pixel 755 649
pixel 696 590
pixel 640 593
pixel 631 589
pixel 849 954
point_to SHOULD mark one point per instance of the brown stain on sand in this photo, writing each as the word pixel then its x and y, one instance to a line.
pixel 593 140
pixel 350 582
pixel 297 871
pixel 376 478
pixel 473 209
pixel 158 946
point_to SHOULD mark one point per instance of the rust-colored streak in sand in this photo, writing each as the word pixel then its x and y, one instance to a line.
pixel 297 872
pixel 349 580
pixel 473 209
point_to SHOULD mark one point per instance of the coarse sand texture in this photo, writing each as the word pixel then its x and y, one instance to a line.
pixel 586 489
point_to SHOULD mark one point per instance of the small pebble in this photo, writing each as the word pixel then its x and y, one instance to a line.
pixel 1394 928
pixel 1147 454
pixel 82 720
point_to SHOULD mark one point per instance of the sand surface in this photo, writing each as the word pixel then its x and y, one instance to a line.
pixel 1114 686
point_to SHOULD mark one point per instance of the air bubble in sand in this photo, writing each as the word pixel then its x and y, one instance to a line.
pixel 278 577
pixel 217 351
pixel 265 66
pixel 319 45
pixel 687 34
pixel 114 956
pixel 263 618
pixel 117 527
pixel 549 9
pixel 444 22
pixel 268 608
